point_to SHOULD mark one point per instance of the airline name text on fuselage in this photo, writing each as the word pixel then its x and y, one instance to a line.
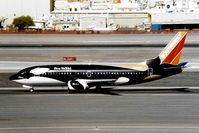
pixel 62 68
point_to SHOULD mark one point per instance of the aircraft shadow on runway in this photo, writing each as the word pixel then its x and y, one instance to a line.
pixel 108 91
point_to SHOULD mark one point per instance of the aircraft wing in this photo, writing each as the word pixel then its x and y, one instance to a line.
pixel 103 82
pixel 93 82
pixel 83 84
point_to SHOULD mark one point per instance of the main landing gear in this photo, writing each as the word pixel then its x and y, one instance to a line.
pixel 98 88
pixel 32 90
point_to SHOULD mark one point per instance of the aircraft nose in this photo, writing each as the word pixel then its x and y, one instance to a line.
pixel 14 77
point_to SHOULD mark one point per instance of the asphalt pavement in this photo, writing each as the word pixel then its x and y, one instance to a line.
pixel 139 112
pixel 51 40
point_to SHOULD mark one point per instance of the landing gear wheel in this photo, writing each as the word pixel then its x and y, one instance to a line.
pixel 69 91
pixel 31 90
pixel 98 88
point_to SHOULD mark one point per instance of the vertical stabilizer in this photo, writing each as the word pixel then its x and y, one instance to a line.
pixel 172 52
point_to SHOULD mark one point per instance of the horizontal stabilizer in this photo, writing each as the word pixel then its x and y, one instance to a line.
pixel 183 64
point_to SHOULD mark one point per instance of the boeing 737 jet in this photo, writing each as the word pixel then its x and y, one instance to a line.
pixel 82 77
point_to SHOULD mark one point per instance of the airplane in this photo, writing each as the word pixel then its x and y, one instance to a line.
pixel 83 77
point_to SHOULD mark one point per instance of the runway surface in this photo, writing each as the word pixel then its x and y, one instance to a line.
pixel 130 112
pixel 91 54
pixel 91 39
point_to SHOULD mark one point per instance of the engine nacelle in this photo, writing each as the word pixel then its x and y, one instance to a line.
pixel 122 80
pixel 77 85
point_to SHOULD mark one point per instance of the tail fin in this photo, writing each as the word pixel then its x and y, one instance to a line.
pixel 172 52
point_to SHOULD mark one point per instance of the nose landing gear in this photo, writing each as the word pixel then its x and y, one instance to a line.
pixel 29 87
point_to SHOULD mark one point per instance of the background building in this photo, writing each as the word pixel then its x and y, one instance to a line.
pixel 13 8
pixel 104 14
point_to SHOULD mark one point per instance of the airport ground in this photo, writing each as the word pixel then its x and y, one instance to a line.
pixel 167 106
pixel 50 40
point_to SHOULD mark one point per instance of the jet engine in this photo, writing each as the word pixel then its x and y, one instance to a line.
pixel 77 85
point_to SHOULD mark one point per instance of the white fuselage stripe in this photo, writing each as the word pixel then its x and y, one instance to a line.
pixel 37 80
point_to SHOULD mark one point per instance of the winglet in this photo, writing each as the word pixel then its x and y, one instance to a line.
pixel 172 52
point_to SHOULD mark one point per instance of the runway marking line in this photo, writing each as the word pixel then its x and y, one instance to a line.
pixel 102 127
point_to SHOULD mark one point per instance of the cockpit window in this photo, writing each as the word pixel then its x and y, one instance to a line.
pixel 23 73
